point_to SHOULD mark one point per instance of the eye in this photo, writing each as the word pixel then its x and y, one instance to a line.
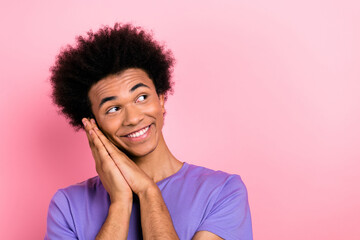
pixel 141 98
pixel 112 110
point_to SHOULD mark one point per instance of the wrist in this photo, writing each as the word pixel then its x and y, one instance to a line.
pixel 116 225
pixel 151 191
pixel 121 207
pixel 121 198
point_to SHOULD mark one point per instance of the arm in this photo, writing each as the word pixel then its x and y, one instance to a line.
pixel 156 222
pixel 205 235
pixel 155 218
pixel 116 225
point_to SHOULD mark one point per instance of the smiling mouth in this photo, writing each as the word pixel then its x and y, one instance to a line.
pixel 138 133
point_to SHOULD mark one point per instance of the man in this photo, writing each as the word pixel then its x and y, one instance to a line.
pixel 114 84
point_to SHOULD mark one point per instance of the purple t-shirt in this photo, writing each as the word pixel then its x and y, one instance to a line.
pixel 198 199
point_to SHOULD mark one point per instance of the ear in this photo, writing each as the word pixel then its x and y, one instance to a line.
pixel 162 102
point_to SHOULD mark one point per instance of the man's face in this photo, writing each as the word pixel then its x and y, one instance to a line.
pixel 129 111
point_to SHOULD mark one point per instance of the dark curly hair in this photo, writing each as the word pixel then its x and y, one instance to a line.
pixel 105 52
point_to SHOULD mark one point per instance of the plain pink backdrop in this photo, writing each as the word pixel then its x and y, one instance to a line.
pixel 265 89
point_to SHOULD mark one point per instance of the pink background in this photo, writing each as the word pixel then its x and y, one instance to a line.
pixel 265 89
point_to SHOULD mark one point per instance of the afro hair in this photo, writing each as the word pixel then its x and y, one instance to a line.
pixel 105 52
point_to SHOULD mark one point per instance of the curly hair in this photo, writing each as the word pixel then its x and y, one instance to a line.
pixel 105 52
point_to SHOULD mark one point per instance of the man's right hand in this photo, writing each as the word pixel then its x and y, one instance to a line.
pixel 110 175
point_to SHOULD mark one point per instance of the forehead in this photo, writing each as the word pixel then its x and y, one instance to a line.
pixel 119 84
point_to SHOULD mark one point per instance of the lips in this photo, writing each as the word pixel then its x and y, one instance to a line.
pixel 138 133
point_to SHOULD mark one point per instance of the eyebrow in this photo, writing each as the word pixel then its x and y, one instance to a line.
pixel 106 99
pixel 137 86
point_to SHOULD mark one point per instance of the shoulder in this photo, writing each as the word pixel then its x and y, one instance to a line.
pixel 91 184
pixel 204 184
pixel 78 207
pixel 223 192
pixel 228 213
pixel 77 193
pixel 209 200
pixel 215 178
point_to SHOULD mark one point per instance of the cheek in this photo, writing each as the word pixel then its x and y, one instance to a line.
pixel 108 126
pixel 154 110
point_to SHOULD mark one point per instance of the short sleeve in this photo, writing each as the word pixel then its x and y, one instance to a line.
pixel 59 220
pixel 229 217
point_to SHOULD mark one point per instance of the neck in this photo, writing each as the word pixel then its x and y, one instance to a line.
pixel 160 163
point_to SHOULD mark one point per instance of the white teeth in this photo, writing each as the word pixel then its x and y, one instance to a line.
pixel 139 133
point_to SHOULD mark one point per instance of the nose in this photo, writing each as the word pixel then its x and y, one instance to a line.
pixel 132 116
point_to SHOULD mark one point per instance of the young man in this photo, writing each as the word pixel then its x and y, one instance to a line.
pixel 114 84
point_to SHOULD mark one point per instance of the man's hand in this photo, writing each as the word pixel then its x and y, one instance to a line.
pixel 121 175
pixel 110 176
pixel 105 151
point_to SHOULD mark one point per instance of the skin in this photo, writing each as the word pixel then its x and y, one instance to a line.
pixel 126 166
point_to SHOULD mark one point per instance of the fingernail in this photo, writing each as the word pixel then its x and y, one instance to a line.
pixel 84 122
pixel 92 121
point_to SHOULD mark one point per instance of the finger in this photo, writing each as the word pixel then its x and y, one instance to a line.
pixel 106 148
pixel 87 126
pixel 99 146
pixel 136 178
pixel 121 160
pixel 102 159
pixel 117 157
pixel 113 151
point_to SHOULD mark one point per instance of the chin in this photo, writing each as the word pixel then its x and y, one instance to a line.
pixel 138 152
